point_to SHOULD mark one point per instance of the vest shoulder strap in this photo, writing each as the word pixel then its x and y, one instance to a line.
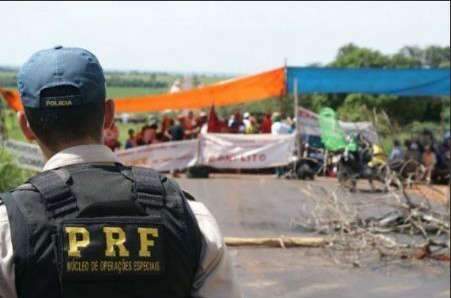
pixel 148 187
pixel 58 199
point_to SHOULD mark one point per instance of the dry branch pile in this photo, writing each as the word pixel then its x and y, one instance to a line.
pixel 407 226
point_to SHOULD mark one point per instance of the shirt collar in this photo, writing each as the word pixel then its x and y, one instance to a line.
pixel 80 155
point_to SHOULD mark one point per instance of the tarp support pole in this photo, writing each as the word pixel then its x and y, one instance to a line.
pixel 297 127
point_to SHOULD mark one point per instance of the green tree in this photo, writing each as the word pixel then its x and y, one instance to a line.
pixel 399 60
pixel 435 56
pixel 352 56
pixel 430 57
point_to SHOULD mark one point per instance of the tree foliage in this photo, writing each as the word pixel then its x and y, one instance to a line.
pixel 358 107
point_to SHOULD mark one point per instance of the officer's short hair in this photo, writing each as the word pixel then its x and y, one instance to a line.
pixel 55 127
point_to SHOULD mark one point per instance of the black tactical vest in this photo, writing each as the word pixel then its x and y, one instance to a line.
pixel 102 231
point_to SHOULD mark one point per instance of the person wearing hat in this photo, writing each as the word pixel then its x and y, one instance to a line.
pixel 88 226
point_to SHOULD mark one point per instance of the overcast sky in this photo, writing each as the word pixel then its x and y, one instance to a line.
pixel 214 36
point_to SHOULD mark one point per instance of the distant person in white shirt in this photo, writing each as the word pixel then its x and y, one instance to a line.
pixel 278 126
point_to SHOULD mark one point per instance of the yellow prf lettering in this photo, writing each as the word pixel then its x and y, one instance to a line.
pixel 146 243
pixel 74 244
pixel 115 237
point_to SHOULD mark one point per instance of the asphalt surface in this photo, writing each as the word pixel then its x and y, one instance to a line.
pixel 252 206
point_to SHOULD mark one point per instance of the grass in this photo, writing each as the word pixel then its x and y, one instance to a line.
pixel 116 92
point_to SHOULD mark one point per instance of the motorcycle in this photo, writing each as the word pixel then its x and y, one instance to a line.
pixel 362 160
pixel 312 159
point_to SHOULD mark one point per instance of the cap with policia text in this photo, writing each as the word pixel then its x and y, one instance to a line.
pixel 60 66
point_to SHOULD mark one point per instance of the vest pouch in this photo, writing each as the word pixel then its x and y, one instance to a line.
pixel 110 248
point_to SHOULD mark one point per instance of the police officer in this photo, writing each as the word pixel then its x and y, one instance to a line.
pixel 88 226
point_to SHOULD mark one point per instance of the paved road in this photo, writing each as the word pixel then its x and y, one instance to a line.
pixel 265 206
pixel 311 273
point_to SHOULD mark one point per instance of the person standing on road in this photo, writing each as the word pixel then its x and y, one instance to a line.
pixel 266 124
pixel 397 153
pixel 131 141
pixel 176 131
pixel 279 128
pixel 88 226
pixel 429 161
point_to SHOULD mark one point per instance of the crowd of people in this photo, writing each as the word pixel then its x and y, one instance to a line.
pixel 188 125
pixel 424 150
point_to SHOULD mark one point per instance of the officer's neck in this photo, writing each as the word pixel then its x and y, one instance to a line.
pixel 49 151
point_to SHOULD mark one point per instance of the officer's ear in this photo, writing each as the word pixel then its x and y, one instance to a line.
pixel 109 113
pixel 25 126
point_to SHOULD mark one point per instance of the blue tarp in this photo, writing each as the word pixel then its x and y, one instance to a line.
pixel 408 82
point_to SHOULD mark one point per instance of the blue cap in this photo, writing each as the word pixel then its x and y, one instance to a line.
pixel 61 67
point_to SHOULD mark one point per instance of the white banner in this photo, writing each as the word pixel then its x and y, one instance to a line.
pixel 223 151
pixel 162 157
pixel 231 151
pixel 28 156
pixel 308 122
pixel 309 125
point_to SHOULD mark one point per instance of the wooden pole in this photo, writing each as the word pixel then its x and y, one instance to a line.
pixel 298 127
pixel 281 242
